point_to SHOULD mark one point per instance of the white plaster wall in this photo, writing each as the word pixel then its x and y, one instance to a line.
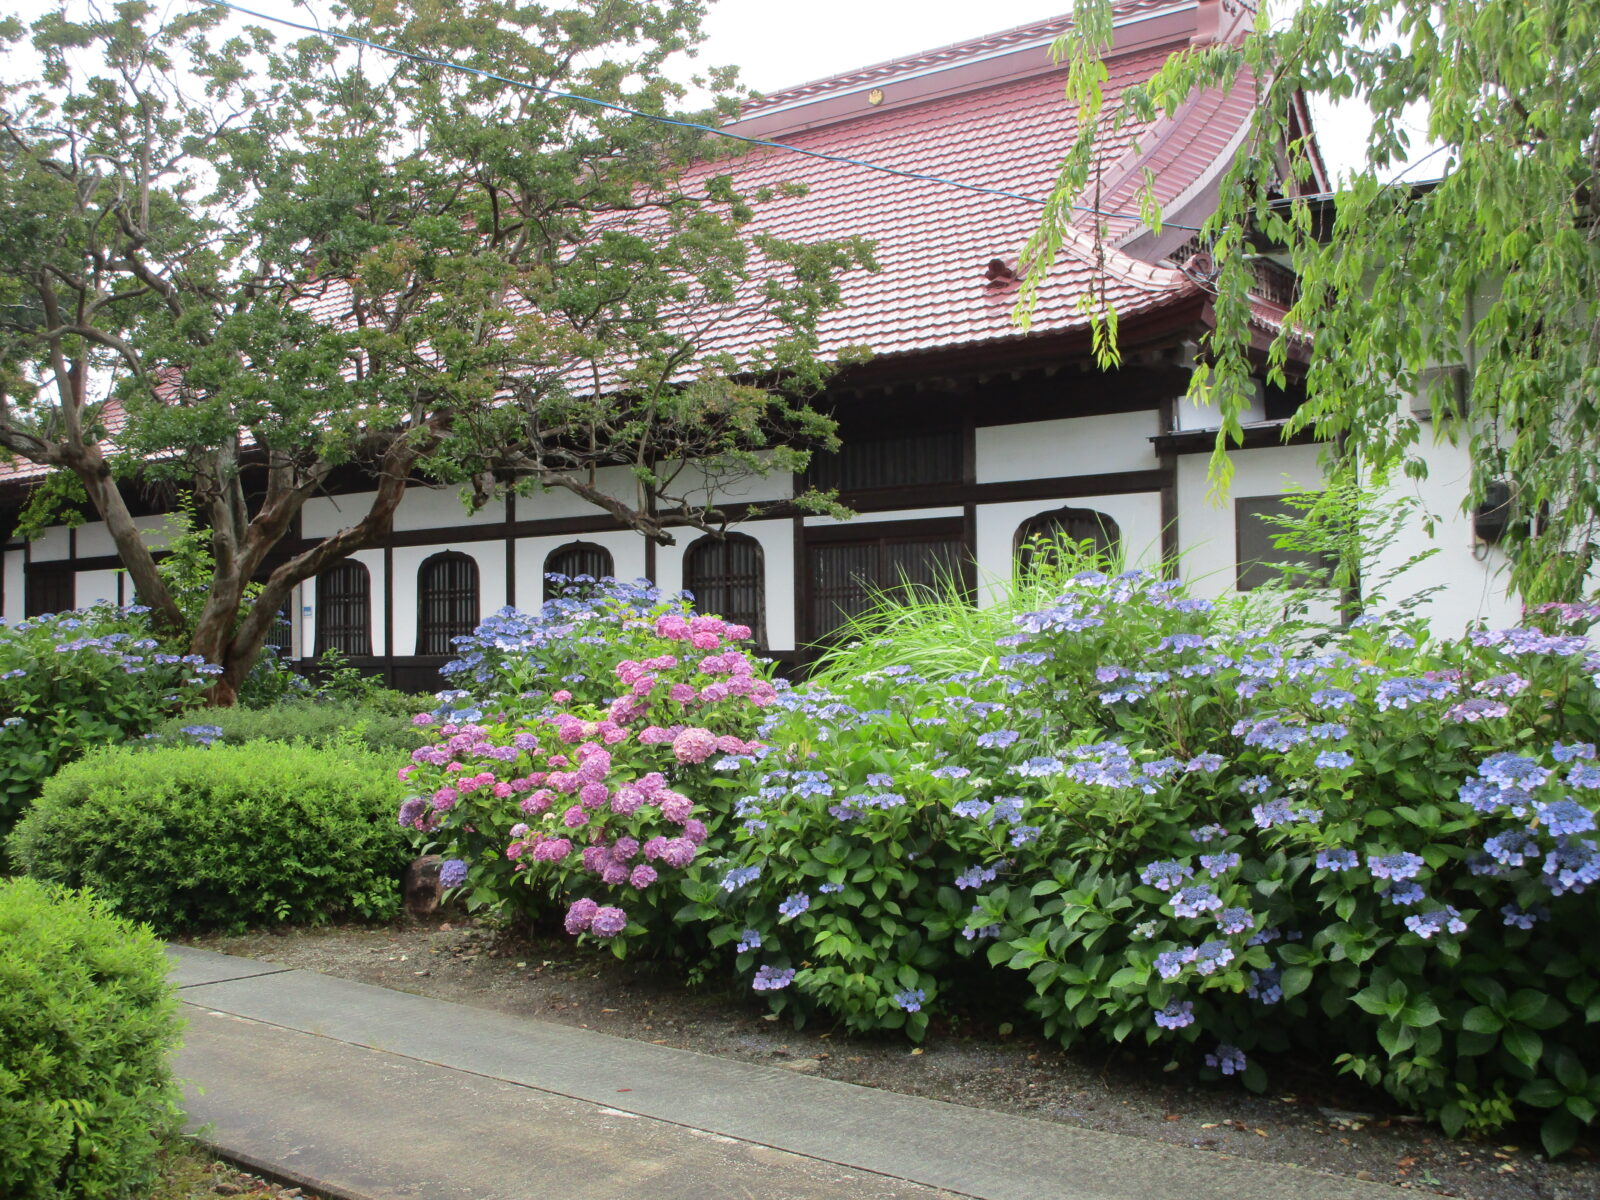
pixel 692 481
pixel 1206 528
pixel 441 508
pixel 627 554
pixel 1192 416
pixel 1473 577
pixel 305 607
pixel 491 560
pixel 323 516
pixel 558 502
pixel 1138 516
pixel 1070 446
pixel 901 514
pixel 53 543
pixel 94 539
pixel 15 587
pixel 96 587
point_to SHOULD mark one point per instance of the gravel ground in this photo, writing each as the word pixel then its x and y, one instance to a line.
pixel 1313 1120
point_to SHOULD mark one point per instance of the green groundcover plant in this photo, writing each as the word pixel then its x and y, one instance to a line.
pixel 222 837
pixel 1364 846
pixel 70 681
pixel 87 1023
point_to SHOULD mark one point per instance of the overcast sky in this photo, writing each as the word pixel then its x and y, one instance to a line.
pixel 777 45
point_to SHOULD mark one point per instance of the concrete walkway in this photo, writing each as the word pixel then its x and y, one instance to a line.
pixel 363 1093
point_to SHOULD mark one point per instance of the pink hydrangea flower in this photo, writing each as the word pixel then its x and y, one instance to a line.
pixel 694 745
pixel 739 633
pixel 612 874
pixel 552 850
pixel 538 802
pixel 594 857
pixel 624 849
pixel 705 641
pixel 681 693
pixel 593 795
pixel 672 626
pixel 642 876
pixel 652 735
pixel 678 852
pixel 422 719
pixel 575 817
pixel 695 830
pixel 580 916
pixel 626 800
pixel 608 921
pixel 674 807
pixel 445 799
pixel 502 791
pixel 561 697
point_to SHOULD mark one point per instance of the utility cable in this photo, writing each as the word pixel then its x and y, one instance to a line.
pixel 675 122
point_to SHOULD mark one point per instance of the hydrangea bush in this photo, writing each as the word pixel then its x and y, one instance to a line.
pixel 72 680
pixel 1190 833
pixel 1164 825
pixel 588 792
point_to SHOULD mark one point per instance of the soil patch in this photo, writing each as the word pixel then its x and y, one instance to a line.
pixel 1309 1119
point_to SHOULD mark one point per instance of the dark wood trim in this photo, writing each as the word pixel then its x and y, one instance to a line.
pixel 1264 436
pixel 969 451
pixel 1171 545
pixel 388 613
pixel 72 543
pixel 802 591
pixel 969 542
pixel 511 549
pixel 851 531
pixel 650 563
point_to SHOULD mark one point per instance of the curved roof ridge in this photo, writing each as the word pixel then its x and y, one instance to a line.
pixel 955 52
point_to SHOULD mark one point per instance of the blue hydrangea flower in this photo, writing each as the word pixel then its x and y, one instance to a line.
pixel 1235 920
pixel 1278 812
pixel 1334 760
pixel 1209 764
pixel 739 876
pixel 1334 698
pixel 1021 835
pixel 1212 957
pixel 1208 833
pixel 1329 731
pixel 1337 860
pixel 951 772
pixel 974 877
pixel 1564 753
pixel 1513 770
pixel 796 904
pixel 911 999
pixel 1512 848
pixel 1584 775
pixel 970 808
pixel 1520 918
pixel 1192 901
pixel 1254 785
pixel 1572 866
pixel 998 739
pixel 1166 875
pixel 1217 864
pixel 1403 893
pixel 1170 963
pixel 1562 817
pixel 750 939
pixel 828 889
pixel 1265 986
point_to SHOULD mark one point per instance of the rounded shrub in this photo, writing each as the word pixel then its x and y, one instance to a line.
pixel 87 1021
pixel 225 837
pixel 372 725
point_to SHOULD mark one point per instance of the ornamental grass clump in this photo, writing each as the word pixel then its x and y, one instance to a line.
pixel 1367 846
pixel 70 681
pixel 590 798
pixel 88 1022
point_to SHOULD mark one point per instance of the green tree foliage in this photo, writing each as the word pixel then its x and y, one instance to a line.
pixel 1496 265
pixel 285 260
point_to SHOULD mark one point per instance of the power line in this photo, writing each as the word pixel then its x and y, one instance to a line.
pixel 557 94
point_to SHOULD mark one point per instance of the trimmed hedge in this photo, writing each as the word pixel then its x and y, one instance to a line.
pixel 378 725
pixel 228 837
pixel 87 1023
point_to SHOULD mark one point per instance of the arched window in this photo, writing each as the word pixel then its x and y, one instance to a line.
pixel 1066 524
pixel 575 560
pixel 447 601
pixel 725 577
pixel 344 609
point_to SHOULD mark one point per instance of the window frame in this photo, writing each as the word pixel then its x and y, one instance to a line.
pixel 758 626
pixel 331 636
pixel 427 636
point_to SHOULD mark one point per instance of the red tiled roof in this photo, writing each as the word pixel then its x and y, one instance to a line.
pixel 1004 124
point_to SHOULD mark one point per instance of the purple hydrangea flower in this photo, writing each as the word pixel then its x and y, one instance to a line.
pixel 1396 867
pixel 581 915
pixel 452 873
pixel 1217 864
pixel 772 979
pixel 1334 760
pixel 1208 833
pixel 1176 1015
pixel 1170 963
pixel 1403 893
pixel 1426 924
pixel 1564 753
pixel 1479 708
pixel 1230 1060
pixel 608 921
pixel 1192 901
pixel 1211 957
pixel 1255 785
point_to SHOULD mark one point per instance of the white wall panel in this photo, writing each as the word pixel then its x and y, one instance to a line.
pixel 53 543
pixel 491 560
pixel 94 539
pixel 902 514
pixel 1207 532
pixel 95 587
pixel 15 587
pixel 1070 446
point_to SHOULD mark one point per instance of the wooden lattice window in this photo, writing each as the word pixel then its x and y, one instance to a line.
pixel 1260 560
pixel 724 575
pixel 1048 531
pixel 280 634
pixel 849 577
pixel 447 601
pixel 924 456
pixel 575 562
pixel 344 609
